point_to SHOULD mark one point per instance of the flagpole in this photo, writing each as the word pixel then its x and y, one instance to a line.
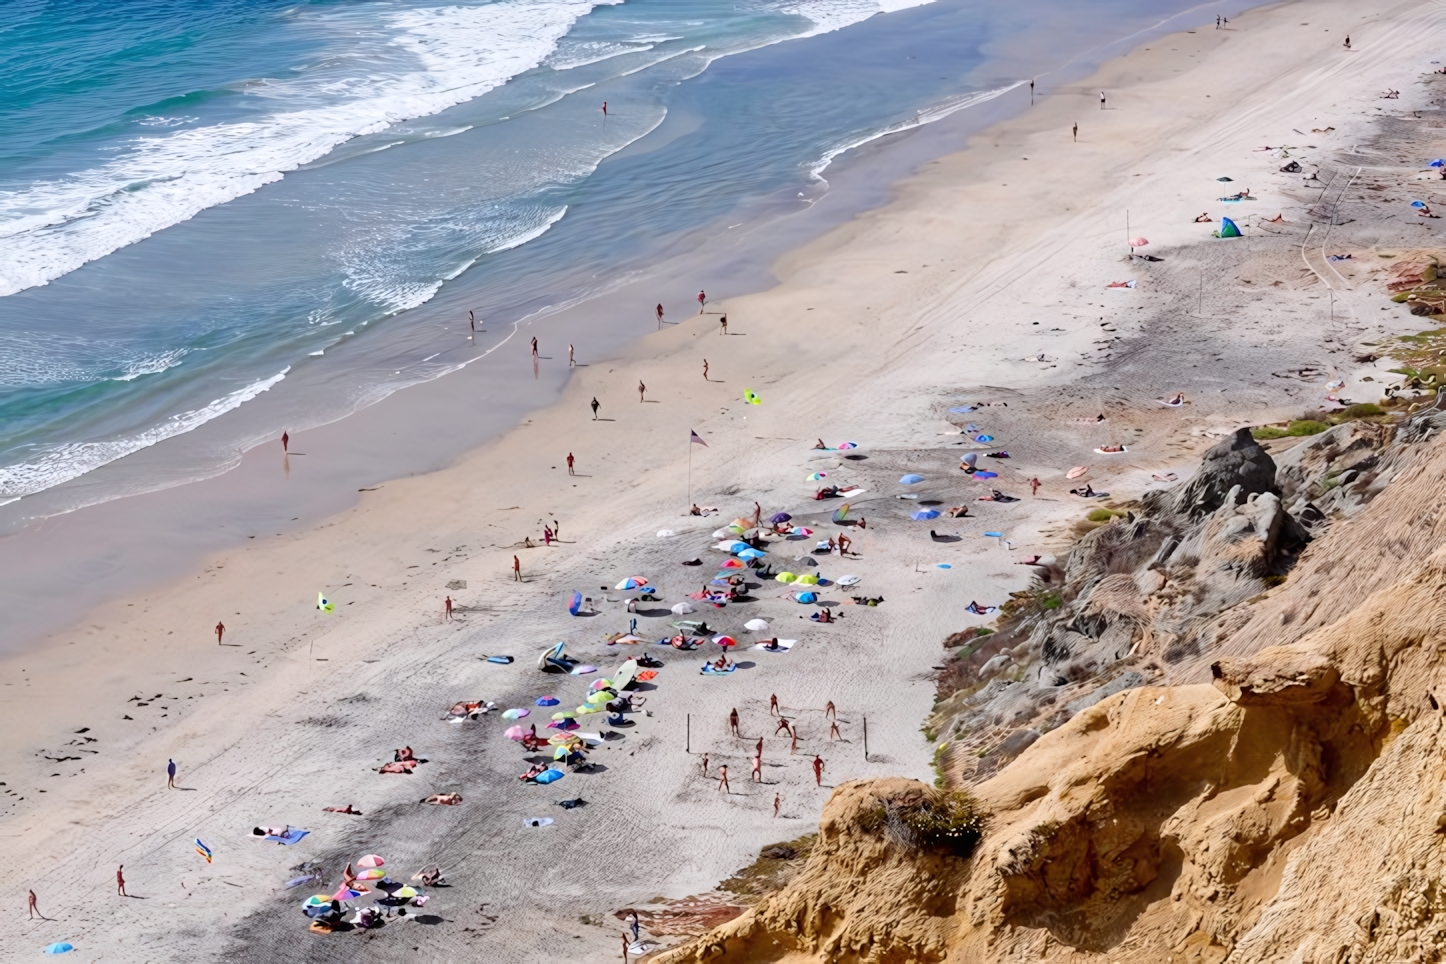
pixel 690 472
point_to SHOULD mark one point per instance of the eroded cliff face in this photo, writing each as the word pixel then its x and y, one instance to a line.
pixel 1288 806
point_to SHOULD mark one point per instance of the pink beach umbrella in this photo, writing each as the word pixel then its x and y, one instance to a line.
pixel 515 732
pixel 369 861
pixel 1137 243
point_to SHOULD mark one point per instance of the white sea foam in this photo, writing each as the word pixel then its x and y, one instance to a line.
pixel 831 15
pixel 52 227
pixel 926 116
pixel 61 463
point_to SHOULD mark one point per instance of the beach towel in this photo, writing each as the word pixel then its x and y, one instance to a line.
pixel 291 836
pixel 708 670
pixel 647 674
pixel 985 475
pixel 499 659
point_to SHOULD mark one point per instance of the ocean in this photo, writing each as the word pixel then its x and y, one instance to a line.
pixel 208 203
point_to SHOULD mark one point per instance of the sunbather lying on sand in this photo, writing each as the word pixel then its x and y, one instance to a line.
pixel 445 799
pixel 403 755
pixel 1110 449
pixel 957 512
pixel 1088 491
pixel 1203 219
pixel 396 767
pixel 430 877
pixel 533 772
pixel 979 610
pixel 867 600
pixel 346 809
pixel 1027 561
pixel 270 831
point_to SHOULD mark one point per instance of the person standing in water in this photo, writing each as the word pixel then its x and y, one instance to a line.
pixel 605 108
pixel 285 441
pixel 571 356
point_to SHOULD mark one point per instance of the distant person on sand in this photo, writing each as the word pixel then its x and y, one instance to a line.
pixel 829 712
pixel 170 774
pixel 705 369
pixel 120 881
pixel 1348 41
pixel 285 441
pixel 1102 100
pixel 705 766
pixel 1034 486
pixel 34 908
pixel 642 391
pixel 782 726
pixel 570 461
pixel 702 300
pixel 723 325
pixel 571 356
pixel 534 346
pixel 516 569
pixel 220 631
pixel 777 802
pixel 793 745
pixel 1076 131
pixel 757 775
pixel 833 733
pixel 447 608
pixel 772 704
pixel 605 108
pixel 733 722
pixel 471 321
pixel 594 408
pixel 818 770
pixel 723 779
pixel 660 314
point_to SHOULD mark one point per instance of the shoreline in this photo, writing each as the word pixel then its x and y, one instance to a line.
pixel 950 341
pixel 124 546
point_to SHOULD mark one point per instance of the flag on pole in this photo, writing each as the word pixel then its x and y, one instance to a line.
pixel 203 850
pixel 696 439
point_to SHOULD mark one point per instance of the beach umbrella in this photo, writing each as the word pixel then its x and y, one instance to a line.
pixel 984 438
pixel 561 739
pixel 600 684
pixel 807 597
pixel 1418 204
pixel 1228 229
pixel 756 625
pixel 845 446
pixel 816 477
pixel 562 715
pixel 1137 243
pixel 549 776
pixel 841 513
pixel 515 733
pixel 736 547
pixel 371 873
pixel 318 900
pixel 732 564
pixel 923 514
pixel 516 713
pixel 684 608
pixel 751 553
pixel 585 710
pixel 547 701
pixel 567 724
pixel 803 531
pixel 633 582
pixel 369 861
pixel 601 696
pixel 911 479
pixel 575 604
pixel 778 517
pixel 785 577
pixel 324 604
pixel 406 892
pixel 809 579
pixel 59 947
pixel 969 459
pixel 848 580
pixel 1439 162
pixel 727 642
pixel 751 397
pixel 347 893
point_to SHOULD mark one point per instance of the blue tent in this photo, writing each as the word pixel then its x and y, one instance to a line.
pixel 1228 229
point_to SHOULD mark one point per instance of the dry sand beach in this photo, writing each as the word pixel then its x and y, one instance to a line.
pixel 984 281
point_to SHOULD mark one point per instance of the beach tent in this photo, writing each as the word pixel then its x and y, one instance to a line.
pixel 1228 229
pixel 574 605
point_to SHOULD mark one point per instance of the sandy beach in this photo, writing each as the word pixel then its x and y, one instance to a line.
pixel 981 286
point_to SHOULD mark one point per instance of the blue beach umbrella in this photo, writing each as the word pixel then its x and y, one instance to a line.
pixel 924 514
pixel 575 604
pixel 911 479
pixel 1439 162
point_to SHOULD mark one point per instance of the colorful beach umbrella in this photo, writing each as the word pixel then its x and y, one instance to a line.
pixel 372 873
pixel 574 605
pixel 923 514
pixel 727 642
pixel 845 446
pixel 816 477
pixel 807 579
pixel 633 582
pixel 751 397
pixel 547 701
pixel 911 479
pixel 841 513
pixel 515 733
pixel 778 517
pixel 1137 243
pixel 371 860
pixel 516 713
pixel 807 597
pixel 786 577
pixel 562 715
pixel 751 553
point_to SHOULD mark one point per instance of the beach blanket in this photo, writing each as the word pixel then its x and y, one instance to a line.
pixel 708 670
pixel 291 836
pixel 784 645
pixel 646 675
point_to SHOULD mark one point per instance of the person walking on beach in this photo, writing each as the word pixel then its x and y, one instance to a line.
pixel 660 314
pixel 170 774
pixel 1217 21
pixel 705 766
pixel 1348 41
pixel 605 108
pixel 818 770
pixel 702 300
pixel 733 721
pixel 34 908
pixel 570 461
pixel 516 569
pixel 120 881
pixel 772 704
pixel 1102 100
pixel 534 346
pixel 285 442
pixel 447 608
pixel 723 779
pixel 757 775
pixel 220 631
pixel 571 356
pixel 705 361
pixel 723 325
pixel 472 321
pixel 1034 487
pixel 793 745
pixel 642 391
pixel 1076 131
pixel 833 733
pixel 777 802
pixel 594 408
pixel 829 712
pixel 782 726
